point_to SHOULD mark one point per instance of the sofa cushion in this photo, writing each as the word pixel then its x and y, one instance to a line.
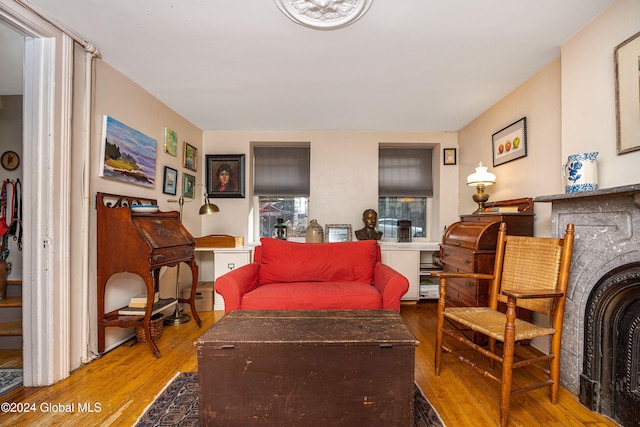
pixel 283 261
pixel 313 296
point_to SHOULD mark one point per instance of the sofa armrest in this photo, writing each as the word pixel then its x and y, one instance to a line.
pixel 234 284
pixel 391 284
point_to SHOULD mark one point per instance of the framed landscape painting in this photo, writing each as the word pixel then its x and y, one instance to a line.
pixel 127 154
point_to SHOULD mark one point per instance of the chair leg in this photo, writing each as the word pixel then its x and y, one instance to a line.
pixel 440 325
pixel 554 368
pixel 507 362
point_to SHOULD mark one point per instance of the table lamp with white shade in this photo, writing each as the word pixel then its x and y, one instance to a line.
pixel 481 178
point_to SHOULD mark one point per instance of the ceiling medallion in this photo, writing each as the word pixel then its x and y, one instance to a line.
pixel 324 14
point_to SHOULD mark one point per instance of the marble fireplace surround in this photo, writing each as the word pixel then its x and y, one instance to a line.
pixel 607 236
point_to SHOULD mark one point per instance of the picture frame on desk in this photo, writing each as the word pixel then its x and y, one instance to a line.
pixel 338 232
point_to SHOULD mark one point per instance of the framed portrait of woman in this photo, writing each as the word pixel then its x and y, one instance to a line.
pixel 225 175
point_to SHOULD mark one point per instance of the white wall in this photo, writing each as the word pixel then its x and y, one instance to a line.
pixel 570 108
pixel 119 97
pixel 344 176
pixel 588 93
pixel 538 99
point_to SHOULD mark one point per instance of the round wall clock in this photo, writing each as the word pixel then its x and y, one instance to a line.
pixel 10 160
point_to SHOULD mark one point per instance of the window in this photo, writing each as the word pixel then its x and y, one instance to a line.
pixel 281 188
pixel 405 187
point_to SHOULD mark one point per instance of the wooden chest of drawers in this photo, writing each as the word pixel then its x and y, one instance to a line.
pixel 468 246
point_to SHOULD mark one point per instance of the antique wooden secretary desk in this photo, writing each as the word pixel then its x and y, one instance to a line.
pixel 139 243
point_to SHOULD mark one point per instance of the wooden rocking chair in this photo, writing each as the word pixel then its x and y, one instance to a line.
pixel 529 272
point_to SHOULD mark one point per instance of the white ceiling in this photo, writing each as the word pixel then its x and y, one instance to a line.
pixel 412 65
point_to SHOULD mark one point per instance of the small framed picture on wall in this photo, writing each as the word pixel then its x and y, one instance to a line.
pixel 449 156
pixel 188 185
pixel 170 181
pixel 190 157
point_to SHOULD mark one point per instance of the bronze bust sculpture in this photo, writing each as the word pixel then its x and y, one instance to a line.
pixel 369 232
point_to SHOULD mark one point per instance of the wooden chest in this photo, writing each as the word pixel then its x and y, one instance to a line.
pixel 468 246
pixel 307 368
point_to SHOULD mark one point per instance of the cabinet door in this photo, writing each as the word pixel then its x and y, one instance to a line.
pixel 406 263
pixel 223 262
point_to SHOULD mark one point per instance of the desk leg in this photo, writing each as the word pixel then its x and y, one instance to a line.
pixel 194 286
pixel 151 283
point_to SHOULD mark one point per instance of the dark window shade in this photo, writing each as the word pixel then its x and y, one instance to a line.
pixel 281 171
pixel 405 172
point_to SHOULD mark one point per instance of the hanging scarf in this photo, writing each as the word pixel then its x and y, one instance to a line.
pixel 15 228
pixel 6 185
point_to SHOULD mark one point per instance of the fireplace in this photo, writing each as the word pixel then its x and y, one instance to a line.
pixel 600 356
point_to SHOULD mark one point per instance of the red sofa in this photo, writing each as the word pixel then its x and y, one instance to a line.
pixel 313 276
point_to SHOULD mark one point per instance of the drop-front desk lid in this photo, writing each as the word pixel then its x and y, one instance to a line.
pixel 162 230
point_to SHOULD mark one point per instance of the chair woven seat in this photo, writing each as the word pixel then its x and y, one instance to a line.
pixel 492 323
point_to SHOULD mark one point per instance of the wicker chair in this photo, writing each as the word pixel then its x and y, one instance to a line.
pixel 529 272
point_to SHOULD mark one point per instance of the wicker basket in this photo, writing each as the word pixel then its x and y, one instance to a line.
pixel 155 328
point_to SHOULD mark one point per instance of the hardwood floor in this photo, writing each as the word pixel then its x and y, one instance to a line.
pixel 123 382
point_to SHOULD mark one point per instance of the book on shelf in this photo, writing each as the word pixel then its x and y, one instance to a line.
pixel 505 209
pixel 159 306
pixel 140 300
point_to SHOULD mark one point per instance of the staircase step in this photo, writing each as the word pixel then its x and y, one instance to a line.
pixel 11 302
pixel 14 288
pixel 10 329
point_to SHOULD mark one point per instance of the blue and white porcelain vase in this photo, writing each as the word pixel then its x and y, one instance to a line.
pixel 580 173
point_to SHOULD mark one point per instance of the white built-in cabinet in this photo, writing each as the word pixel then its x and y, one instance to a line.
pixel 214 262
pixel 415 261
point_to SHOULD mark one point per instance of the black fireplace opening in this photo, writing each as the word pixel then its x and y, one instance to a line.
pixel 610 380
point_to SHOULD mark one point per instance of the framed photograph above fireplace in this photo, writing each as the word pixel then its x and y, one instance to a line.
pixel 627 72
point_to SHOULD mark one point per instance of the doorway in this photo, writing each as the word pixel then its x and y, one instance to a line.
pixel 11 166
pixel 47 92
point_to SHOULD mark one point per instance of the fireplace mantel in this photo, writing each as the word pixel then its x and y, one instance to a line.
pixel 607 224
pixel 625 190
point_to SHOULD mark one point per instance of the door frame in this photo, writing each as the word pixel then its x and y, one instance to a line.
pixel 48 73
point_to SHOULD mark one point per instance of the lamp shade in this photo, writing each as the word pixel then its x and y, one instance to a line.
pixel 208 208
pixel 481 176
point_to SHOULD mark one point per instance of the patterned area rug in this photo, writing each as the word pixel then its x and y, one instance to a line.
pixel 10 378
pixel 177 405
